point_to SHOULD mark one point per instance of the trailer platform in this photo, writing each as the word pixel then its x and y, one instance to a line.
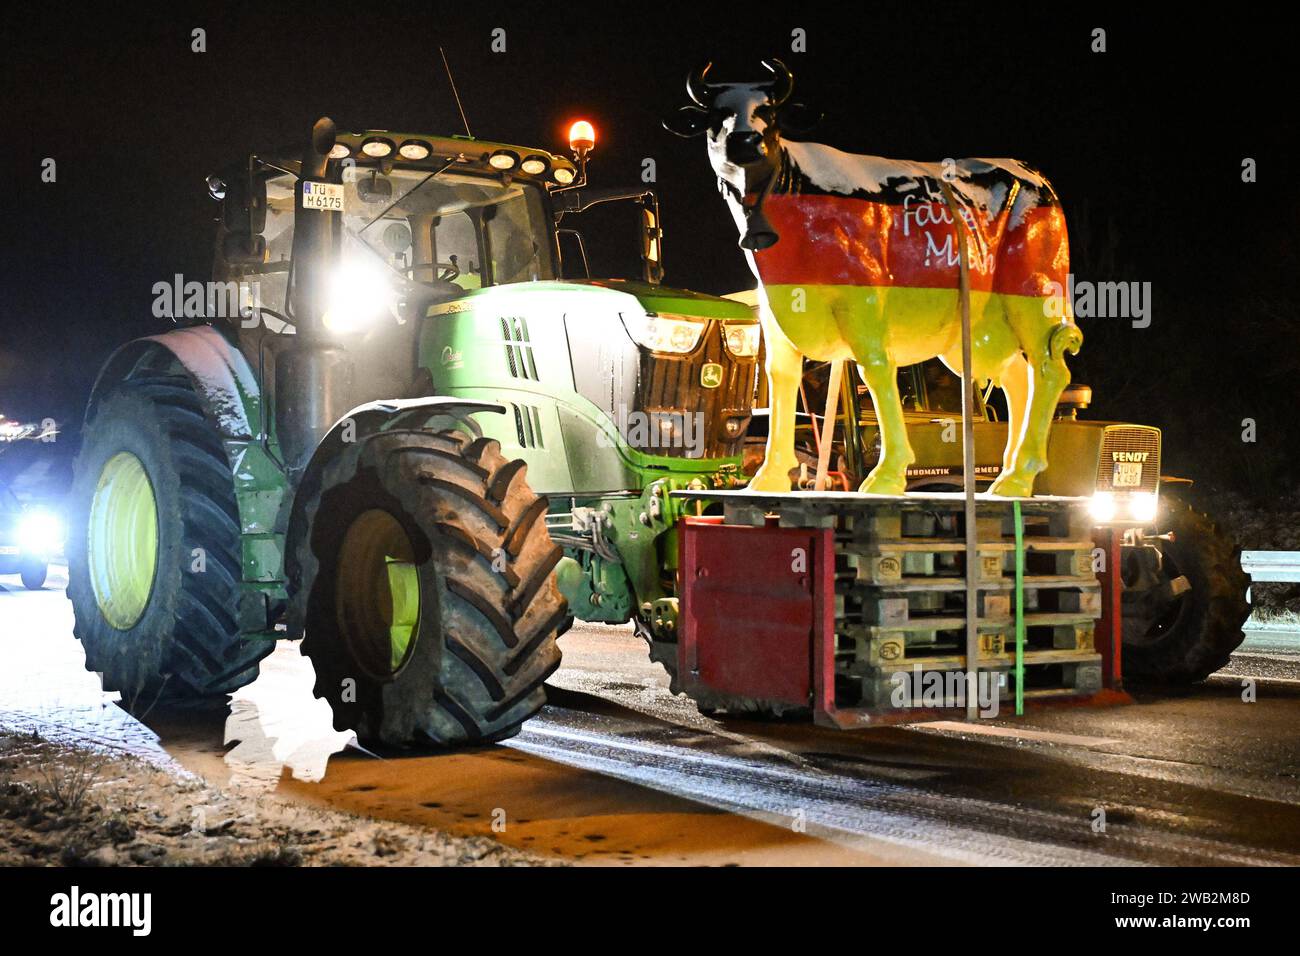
pixel 853 605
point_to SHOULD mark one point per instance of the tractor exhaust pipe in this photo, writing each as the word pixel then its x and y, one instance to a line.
pixel 311 377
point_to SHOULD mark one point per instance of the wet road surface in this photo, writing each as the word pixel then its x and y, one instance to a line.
pixel 618 771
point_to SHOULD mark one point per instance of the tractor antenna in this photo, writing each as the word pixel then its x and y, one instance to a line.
pixel 452 80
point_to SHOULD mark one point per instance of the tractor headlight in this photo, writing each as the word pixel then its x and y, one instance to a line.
pixel 503 159
pixel 1142 506
pixel 40 532
pixel 533 165
pixel 665 333
pixel 359 293
pixel 1102 506
pixel 742 338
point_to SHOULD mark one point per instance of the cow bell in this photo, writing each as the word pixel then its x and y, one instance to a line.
pixel 759 233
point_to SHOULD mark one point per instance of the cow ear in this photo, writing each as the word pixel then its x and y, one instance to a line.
pixel 798 118
pixel 687 121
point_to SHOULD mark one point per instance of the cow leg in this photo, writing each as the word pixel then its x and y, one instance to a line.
pixel 889 477
pixel 784 370
pixel 1013 379
pixel 1048 377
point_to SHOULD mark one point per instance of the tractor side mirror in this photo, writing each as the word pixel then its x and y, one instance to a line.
pixel 243 250
pixel 651 241
pixel 243 214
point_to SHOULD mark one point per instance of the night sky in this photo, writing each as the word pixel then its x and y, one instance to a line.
pixel 1144 144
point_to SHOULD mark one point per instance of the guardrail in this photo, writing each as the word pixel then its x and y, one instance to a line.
pixel 1274 567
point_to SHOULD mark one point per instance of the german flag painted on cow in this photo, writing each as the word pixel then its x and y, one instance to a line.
pixel 882 223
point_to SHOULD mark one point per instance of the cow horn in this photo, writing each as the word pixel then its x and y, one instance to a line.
pixel 698 88
pixel 782 81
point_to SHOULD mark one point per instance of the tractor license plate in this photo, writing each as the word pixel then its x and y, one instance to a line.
pixel 324 196
pixel 1128 474
pixel 8 549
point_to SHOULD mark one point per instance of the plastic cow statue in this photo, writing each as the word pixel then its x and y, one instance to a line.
pixel 858 259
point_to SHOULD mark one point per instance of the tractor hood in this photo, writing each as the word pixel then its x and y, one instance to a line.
pixel 607 297
pixel 657 298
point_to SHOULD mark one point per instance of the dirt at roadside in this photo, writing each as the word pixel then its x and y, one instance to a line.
pixel 62 805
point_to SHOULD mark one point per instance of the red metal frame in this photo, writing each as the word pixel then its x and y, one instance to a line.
pixel 749 618
pixel 1110 626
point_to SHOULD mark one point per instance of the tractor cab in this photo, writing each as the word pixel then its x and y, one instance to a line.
pixel 402 265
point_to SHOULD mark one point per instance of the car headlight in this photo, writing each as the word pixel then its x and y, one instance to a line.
pixel 665 333
pixel 1102 506
pixel 359 292
pixel 742 338
pixel 40 533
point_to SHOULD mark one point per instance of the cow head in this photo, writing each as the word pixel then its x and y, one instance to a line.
pixel 742 124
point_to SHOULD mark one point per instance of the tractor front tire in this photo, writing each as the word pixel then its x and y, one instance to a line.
pixel 1182 623
pixel 425 590
pixel 154 559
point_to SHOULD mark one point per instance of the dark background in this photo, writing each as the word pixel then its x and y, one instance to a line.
pixel 1144 144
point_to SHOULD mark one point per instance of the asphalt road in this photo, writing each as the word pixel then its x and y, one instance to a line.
pixel 618 771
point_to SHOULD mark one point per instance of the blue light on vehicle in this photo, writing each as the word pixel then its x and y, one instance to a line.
pixel 40 532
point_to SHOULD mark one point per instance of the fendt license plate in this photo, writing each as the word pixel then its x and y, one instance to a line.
pixel 1128 474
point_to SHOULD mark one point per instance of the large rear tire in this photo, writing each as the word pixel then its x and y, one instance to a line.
pixel 154 557
pixel 1183 620
pixel 427 592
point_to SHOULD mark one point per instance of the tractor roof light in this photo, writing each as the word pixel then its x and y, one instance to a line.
pixel 377 147
pixel 414 150
pixel 534 165
pixel 582 137
pixel 503 159
pixel 340 151
pixel 562 175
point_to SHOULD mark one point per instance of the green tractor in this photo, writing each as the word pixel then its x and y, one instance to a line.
pixel 402 426
pixel 397 427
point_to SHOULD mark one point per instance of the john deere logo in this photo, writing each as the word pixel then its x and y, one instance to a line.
pixel 711 375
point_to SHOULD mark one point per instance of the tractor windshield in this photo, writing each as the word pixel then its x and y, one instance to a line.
pixel 450 227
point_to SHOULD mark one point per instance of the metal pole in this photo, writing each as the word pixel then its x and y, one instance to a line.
pixel 967 461
pixel 828 425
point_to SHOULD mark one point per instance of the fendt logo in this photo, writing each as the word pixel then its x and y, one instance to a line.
pixel 1130 455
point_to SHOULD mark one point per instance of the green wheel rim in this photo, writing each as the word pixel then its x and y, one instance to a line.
pixel 122 541
pixel 378 593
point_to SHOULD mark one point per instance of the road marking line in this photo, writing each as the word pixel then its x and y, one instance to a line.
pixel 1260 678
pixel 1046 736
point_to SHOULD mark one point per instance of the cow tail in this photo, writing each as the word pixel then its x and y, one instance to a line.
pixel 1066 337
